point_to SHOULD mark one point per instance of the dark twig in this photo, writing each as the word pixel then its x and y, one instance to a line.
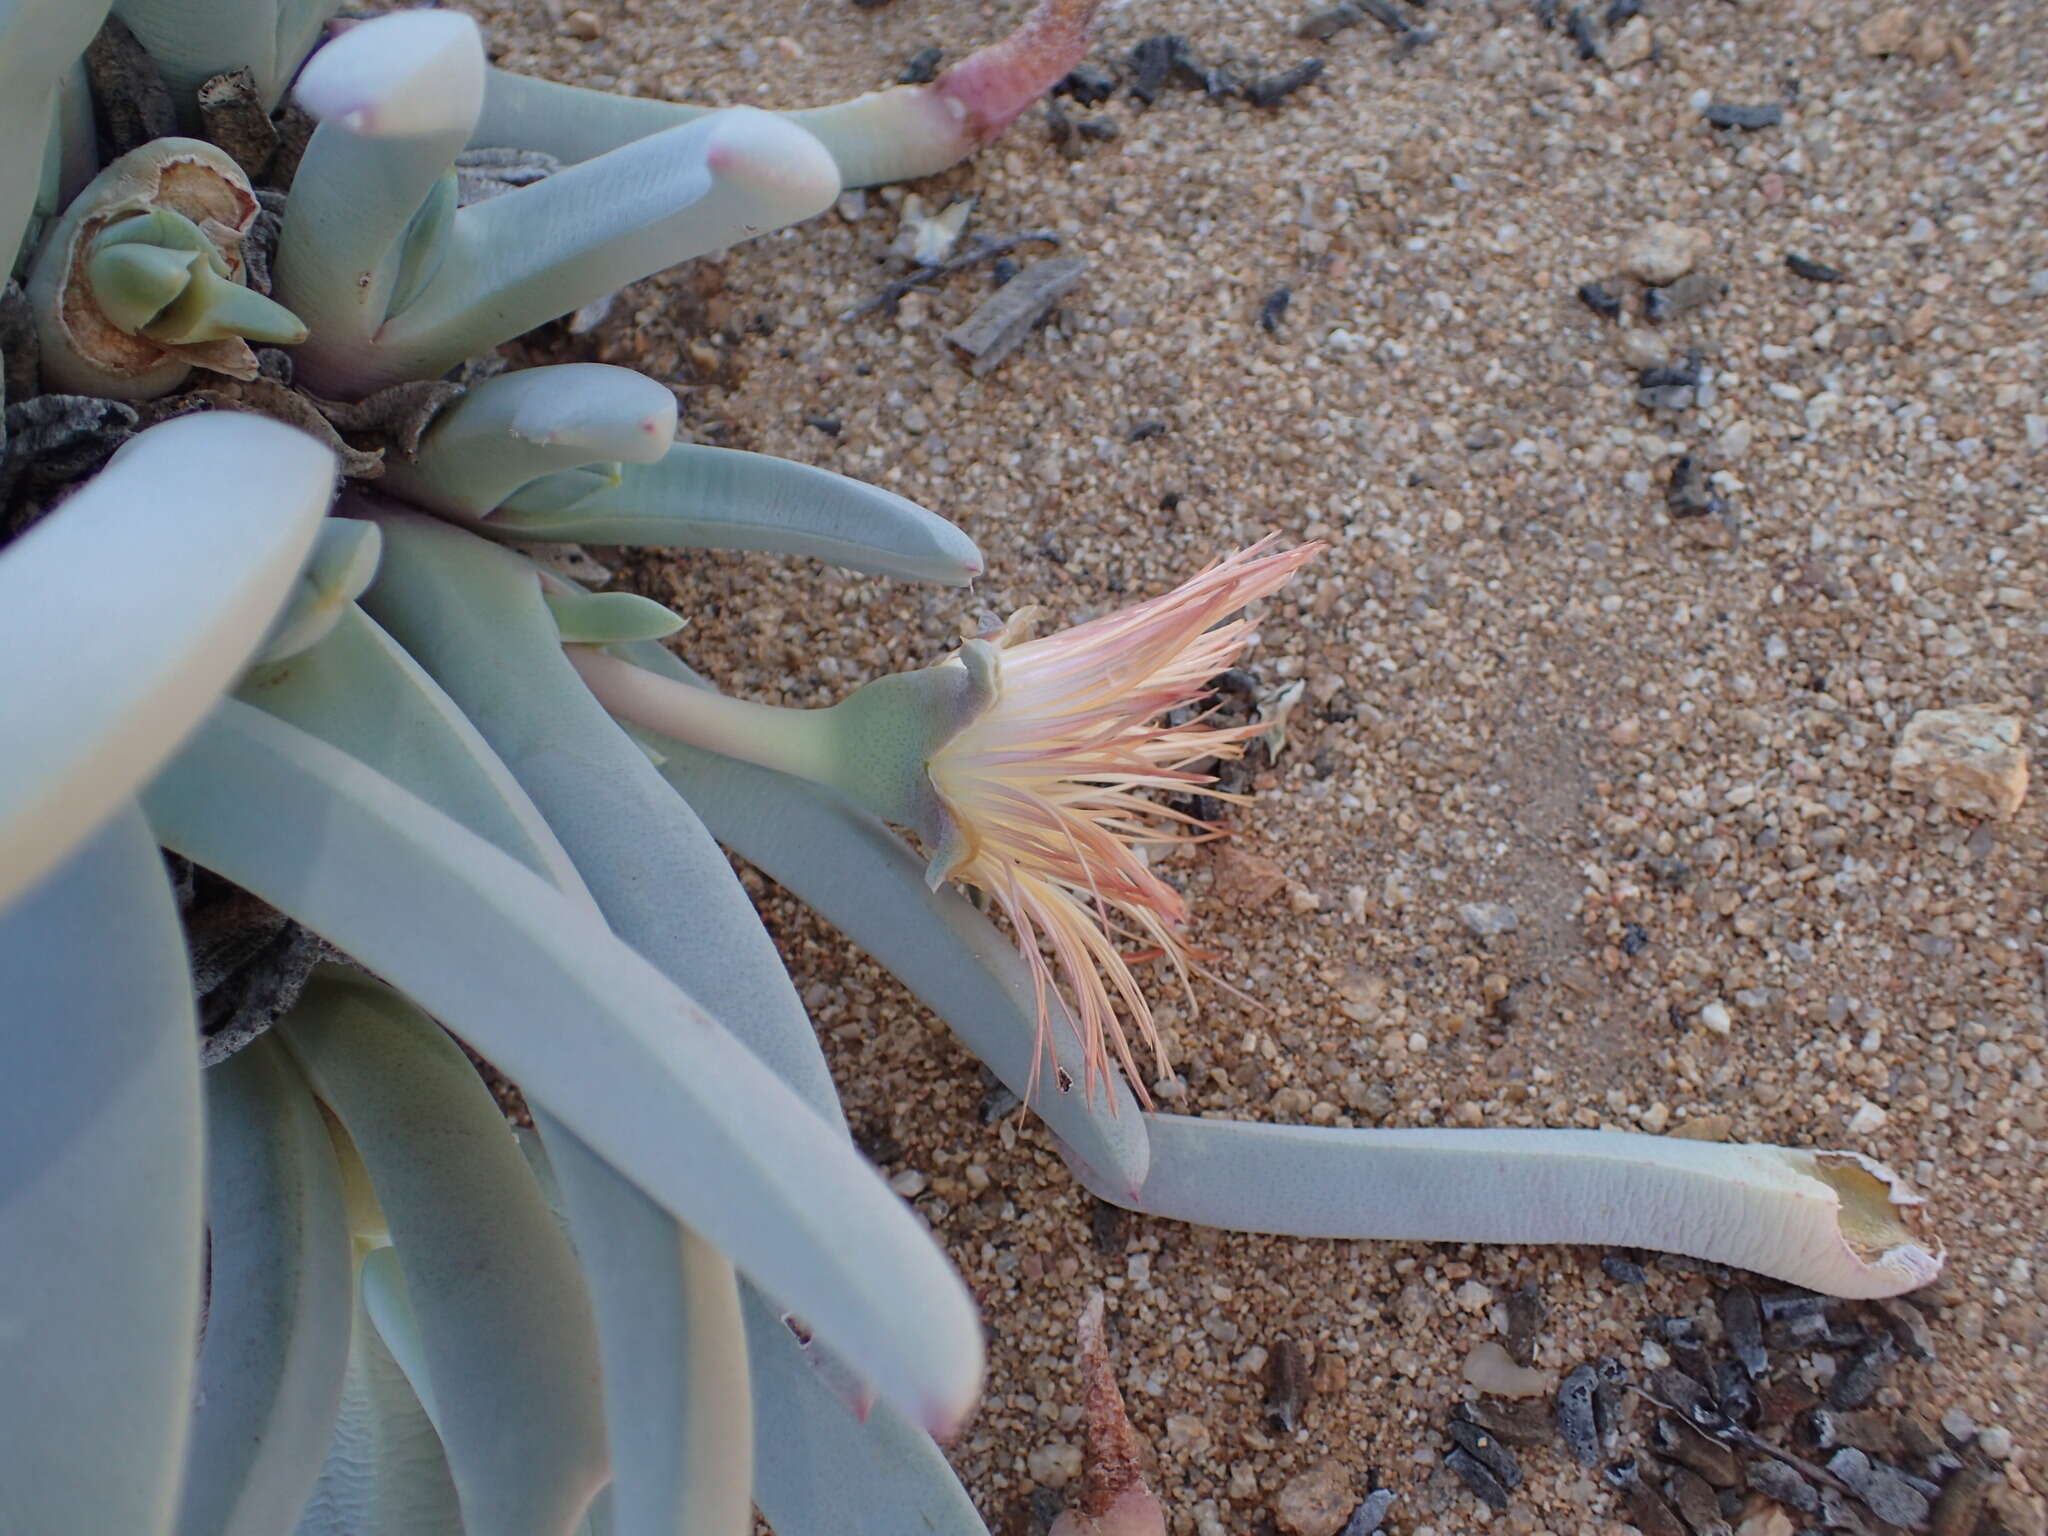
pixel 925 276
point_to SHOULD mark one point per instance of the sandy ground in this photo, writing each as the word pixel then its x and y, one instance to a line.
pixel 1665 742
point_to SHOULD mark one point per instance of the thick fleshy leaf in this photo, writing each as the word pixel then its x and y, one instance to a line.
pixel 646 1078
pixel 193 43
pixel 820 1471
pixel 473 615
pixel 891 135
pixel 343 560
pixel 721 498
pixel 1831 1221
pixel 396 98
pixel 520 426
pixel 100 1224
pixel 508 1340
pixel 518 261
pixel 610 618
pixel 358 690
pixel 279 1301
pixel 40 41
pixel 675 1359
pixel 674 1370
pixel 864 880
pixel 385 1470
pixel 201 523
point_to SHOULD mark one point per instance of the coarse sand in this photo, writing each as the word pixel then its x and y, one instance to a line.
pixel 1647 704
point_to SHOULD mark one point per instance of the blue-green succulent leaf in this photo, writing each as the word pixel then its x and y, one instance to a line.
pixel 424 245
pixel 820 1471
pixel 721 498
pixel 473 615
pixel 358 690
pixel 202 523
pixel 863 879
pixel 40 41
pixel 530 256
pixel 342 561
pixel 100 1223
pixel 395 98
pixel 610 618
pixel 520 426
pixel 675 1359
pixel 279 1300
pixel 646 1077
pixel 1833 1222
pixel 193 43
pixel 508 1340
pixel 385 1469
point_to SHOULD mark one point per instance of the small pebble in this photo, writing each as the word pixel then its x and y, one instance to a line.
pixel 922 67
pixel 1971 759
pixel 1488 1367
pixel 1623 1271
pixel 1316 1503
pixel 1487 919
pixel 1631 44
pixel 1664 252
pixel 1275 309
pixel 1715 1019
pixel 1694 291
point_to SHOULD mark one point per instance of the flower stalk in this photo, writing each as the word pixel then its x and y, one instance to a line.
pixel 1023 768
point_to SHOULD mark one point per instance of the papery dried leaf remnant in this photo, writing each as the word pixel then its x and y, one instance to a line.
pixel 1114 1500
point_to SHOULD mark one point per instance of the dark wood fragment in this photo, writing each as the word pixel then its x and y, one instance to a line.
pixel 1007 316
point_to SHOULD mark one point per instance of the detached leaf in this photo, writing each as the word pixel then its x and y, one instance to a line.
pixel 203 556
pixel 1832 1221
pixel 506 1335
pixel 100 1226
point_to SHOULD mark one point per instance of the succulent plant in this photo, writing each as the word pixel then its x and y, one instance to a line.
pixel 420 787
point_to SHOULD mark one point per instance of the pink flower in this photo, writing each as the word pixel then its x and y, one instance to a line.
pixel 1046 791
